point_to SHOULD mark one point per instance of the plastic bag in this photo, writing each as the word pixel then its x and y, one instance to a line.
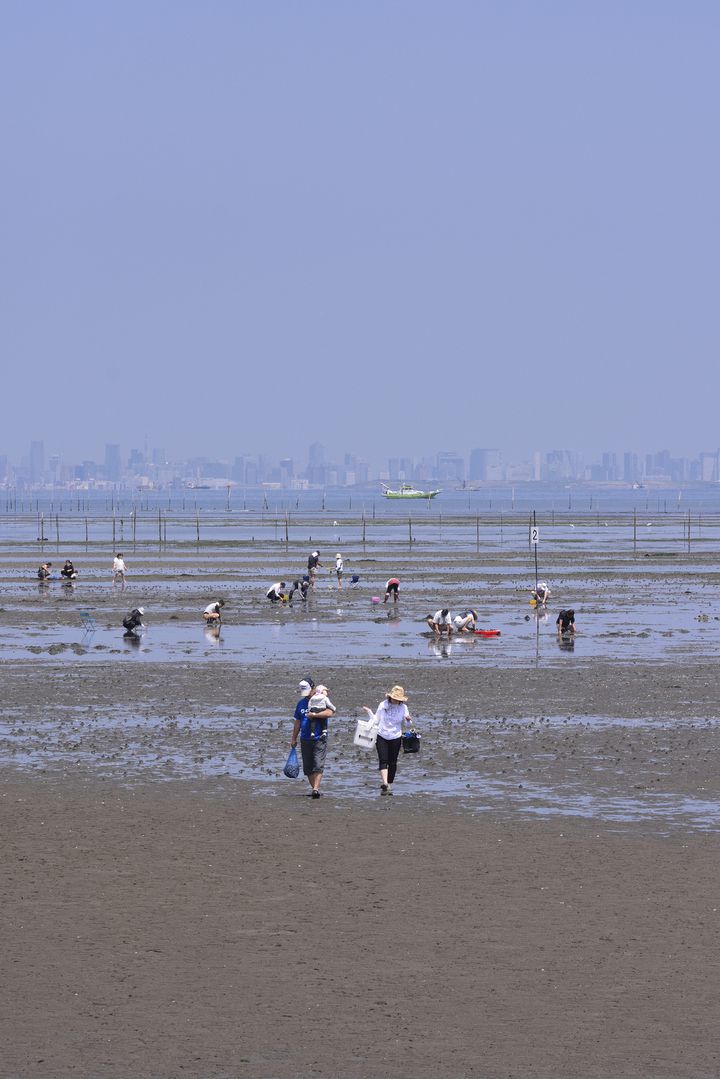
pixel 366 732
pixel 292 765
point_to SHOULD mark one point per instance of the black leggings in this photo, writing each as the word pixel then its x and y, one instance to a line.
pixel 388 750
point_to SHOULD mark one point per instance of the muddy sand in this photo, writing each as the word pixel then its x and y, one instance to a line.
pixel 538 899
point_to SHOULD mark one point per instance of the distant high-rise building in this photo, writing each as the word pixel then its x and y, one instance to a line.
pixel 562 465
pixel 709 467
pixel 113 462
pixel 136 461
pixel 54 467
pixel 450 467
pixel 287 471
pixel 316 454
pixel 486 465
pixel 316 471
pixel 610 467
pixel 37 462
pixel 632 471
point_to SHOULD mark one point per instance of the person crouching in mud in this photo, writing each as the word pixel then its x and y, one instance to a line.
pixel 440 622
pixel 276 593
pixel 213 612
pixel 466 622
pixel 133 621
pixel 565 623
pixel 301 587
pixel 540 594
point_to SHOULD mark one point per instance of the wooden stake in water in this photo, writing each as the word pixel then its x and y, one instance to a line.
pixel 57 531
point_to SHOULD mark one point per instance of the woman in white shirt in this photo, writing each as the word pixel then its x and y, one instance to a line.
pixel 392 715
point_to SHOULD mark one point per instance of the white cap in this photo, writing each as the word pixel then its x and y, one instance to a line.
pixel 141 610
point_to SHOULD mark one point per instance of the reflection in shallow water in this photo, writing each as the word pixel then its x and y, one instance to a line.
pixel 441 647
pixel 357 637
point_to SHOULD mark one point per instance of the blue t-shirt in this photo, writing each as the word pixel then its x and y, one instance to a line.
pixel 311 728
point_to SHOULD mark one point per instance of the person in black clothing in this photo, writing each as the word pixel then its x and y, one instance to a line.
pixel 301 587
pixel 133 621
pixel 313 563
pixel 565 622
pixel 68 571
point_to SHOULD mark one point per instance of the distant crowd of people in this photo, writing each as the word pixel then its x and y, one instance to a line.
pixel 442 623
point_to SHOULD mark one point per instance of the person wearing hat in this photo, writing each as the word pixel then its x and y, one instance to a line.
pixel 392 715
pixel 312 731
pixel 133 620
pixel 466 622
pixel 339 569
pixel 540 594
pixel 300 586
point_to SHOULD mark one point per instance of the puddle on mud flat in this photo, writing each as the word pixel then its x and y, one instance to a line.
pixel 249 746
pixel 358 635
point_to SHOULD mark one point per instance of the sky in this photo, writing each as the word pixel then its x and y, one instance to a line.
pixel 393 227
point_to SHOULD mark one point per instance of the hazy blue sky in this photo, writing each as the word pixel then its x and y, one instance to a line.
pixel 388 226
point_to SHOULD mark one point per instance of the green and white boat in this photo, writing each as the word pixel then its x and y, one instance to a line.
pixel 406 491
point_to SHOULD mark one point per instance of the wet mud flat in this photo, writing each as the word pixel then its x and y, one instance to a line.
pixel 204 929
pixel 539 898
pixel 658 770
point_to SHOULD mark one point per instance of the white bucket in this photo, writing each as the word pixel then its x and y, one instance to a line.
pixel 366 732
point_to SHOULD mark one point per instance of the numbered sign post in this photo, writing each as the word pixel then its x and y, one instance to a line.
pixel 535 540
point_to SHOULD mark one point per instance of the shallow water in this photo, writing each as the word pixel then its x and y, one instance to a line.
pixel 251 746
pixel 359 632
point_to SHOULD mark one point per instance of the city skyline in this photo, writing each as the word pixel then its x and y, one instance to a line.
pixel 156 468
